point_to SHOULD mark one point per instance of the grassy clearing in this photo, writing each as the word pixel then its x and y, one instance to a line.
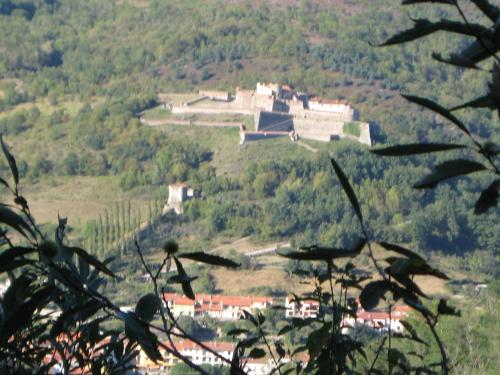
pixel 352 128
pixel 229 157
pixel 69 106
pixel 157 113
pixel 79 198
pixel 271 273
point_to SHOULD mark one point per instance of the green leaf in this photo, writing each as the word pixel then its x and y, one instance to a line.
pixel 4 183
pixel 425 27
pixel 14 252
pixel 347 189
pixel 319 253
pixel 449 169
pixel 257 353
pixel 22 316
pixel 10 160
pixel 186 285
pixel 147 307
pixel 406 282
pixel 397 359
pixel 476 51
pixel 413 332
pixel 297 323
pixel 413 266
pixel 249 341
pixel 491 11
pixel 408 2
pixel 400 250
pixel 237 332
pixel 140 333
pixel 214 260
pixel 13 220
pixel 179 279
pixel 91 260
pixel 415 148
pixel 14 264
pixel 491 148
pixel 427 103
pixel 481 102
pixel 76 313
pixel 235 361
pixel 488 198
pixel 248 316
pixel 317 340
pixel 372 293
pixel 456 60
pixel 444 309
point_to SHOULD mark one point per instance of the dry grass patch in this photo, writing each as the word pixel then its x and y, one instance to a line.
pixel 239 281
pixel 79 198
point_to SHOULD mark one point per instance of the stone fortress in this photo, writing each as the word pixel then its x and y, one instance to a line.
pixel 279 111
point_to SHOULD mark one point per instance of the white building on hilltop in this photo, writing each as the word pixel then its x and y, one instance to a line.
pixel 177 195
pixel 305 308
pixel 268 89
pixel 328 105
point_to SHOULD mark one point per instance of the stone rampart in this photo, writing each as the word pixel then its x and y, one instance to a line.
pixel 365 136
pixel 208 110
pixel 273 121
pixel 255 136
pixel 319 130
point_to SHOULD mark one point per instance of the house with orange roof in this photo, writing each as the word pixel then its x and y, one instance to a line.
pixel 378 320
pixel 189 349
pixel 216 306
pixel 180 305
pixel 305 308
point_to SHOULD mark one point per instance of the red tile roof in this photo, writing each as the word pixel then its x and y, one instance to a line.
pixel 212 345
pixel 178 299
pixel 206 301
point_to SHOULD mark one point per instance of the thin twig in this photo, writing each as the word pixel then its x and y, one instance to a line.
pixel 444 357
pixel 379 350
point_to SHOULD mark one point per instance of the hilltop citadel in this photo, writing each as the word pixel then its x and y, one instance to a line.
pixel 279 111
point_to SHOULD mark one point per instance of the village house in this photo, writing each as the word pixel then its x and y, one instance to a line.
pixel 305 308
pixel 216 306
pixel 188 349
pixel 200 356
pixel 180 305
pixel 378 320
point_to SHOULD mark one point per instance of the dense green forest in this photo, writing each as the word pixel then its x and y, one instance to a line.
pixel 75 75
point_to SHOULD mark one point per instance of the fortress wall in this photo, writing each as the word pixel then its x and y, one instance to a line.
pixel 255 136
pixel 326 116
pixel 296 108
pixel 264 103
pixel 187 110
pixel 244 99
pixel 272 121
pixel 365 136
pixel 321 128
pixel 325 131
pixel 194 101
